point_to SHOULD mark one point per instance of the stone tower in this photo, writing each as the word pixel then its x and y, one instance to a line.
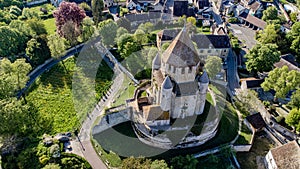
pixel 176 85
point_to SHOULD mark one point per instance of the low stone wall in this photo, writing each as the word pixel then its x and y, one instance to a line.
pixel 246 147
pixel 111 120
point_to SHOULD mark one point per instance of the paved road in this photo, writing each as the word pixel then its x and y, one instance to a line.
pixel 48 65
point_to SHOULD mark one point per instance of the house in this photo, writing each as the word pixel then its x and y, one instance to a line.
pixel 201 4
pixel 109 3
pixel 212 45
pixel 288 60
pixel 239 9
pixel 252 21
pixel 180 7
pixel 284 157
pixel 256 8
pixel 251 83
pixel 255 121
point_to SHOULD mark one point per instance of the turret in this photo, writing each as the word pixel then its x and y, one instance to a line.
pixel 156 62
pixel 166 94
pixel 203 83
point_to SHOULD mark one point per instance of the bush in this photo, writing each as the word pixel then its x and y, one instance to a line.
pixel 233 20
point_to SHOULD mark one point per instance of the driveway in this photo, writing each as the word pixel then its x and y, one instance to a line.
pixel 244 34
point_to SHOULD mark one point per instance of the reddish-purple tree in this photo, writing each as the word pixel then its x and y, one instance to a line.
pixel 68 11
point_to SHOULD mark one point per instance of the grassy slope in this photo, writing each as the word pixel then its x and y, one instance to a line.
pixel 52 95
pixel 50 25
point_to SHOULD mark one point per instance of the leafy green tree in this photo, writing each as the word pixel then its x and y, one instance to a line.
pixel 88 29
pixel 262 57
pixel 120 31
pixel 12 42
pixel 146 27
pixel 13 76
pixel 107 31
pixel 293 119
pixel 36 26
pixel 56 45
pixel 295 99
pixel 136 163
pixel 21 26
pixel 268 35
pixel 127 45
pixel 15 12
pixel 213 66
pixel 38 50
pixel 270 13
pixel 294 35
pixel 97 8
pixel 282 81
pixel 181 20
pixel 141 37
pixel 85 7
pixel 159 164
pixel 52 166
pixel 293 17
pixel 29 14
pixel 187 162
pixel 191 20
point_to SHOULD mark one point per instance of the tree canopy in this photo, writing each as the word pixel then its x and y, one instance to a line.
pixel 184 162
pixel 294 35
pixel 262 57
pixel 12 42
pixel 293 119
pixel 56 45
pixel 38 50
pixel 281 80
pixel 13 76
pixel 107 31
pixel 270 13
pixel 97 8
pixel 213 65
pixel 68 12
pixel 295 99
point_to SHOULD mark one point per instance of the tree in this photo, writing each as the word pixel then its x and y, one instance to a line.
pixel 97 8
pixel 262 57
pixel 56 45
pixel 12 42
pixel 146 27
pixel 295 100
pixel 88 29
pixel 38 50
pixel 187 162
pixel 159 164
pixel 281 80
pixel 293 119
pixel 268 35
pixel 213 66
pixel 29 14
pixel 294 35
pixel 15 12
pixel 13 76
pixel 127 45
pixel 52 166
pixel 136 163
pixel 36 26
pixel 120 31
pixel 68 12
pixel 141 37
pixel 107 31
pixel 191 20
pixel 21 26
pixel 70 32
pixel 270 13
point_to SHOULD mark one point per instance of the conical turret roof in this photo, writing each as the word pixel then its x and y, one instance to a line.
pixel 181 52
pixel 156 62
pixel 167 84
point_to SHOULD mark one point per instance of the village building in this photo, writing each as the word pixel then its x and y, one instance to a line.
pixel 283 157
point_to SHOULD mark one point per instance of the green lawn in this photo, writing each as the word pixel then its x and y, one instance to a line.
pixel 49 7
pixel 52 96
pixel 126 92
pixel 50 25
pixel 245 136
